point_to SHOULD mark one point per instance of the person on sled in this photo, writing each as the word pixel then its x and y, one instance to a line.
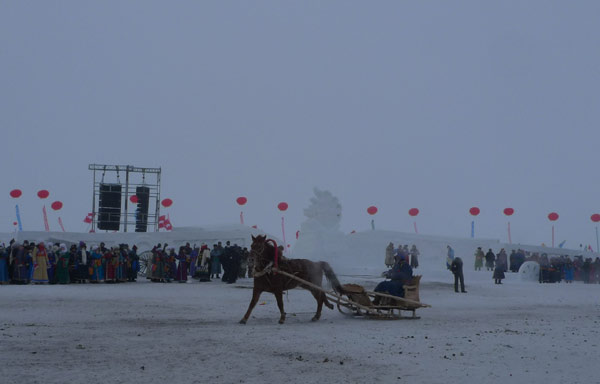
pixel 400 274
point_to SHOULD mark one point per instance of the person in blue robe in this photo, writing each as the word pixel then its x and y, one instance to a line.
pixel 400 274
pixel 97 258
pixel 3 265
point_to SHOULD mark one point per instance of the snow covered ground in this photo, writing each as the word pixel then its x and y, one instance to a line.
pixel 189 333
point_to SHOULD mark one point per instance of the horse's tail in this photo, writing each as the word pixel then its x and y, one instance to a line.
pixel 331 277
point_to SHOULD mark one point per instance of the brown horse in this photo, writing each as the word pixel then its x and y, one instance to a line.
pixel 266 281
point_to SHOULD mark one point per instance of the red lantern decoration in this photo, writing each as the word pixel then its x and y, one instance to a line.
pixel 57 205
pixel 15 193
pixel 241 200
pixel 372 210
pixel 508 211
pixel 167 203
pixel 43 194
pixel 595 217
pixel 474 211
pixel 283 206
pixel 413 211
pixel 553 216
pixel 133 199
pixel 15 223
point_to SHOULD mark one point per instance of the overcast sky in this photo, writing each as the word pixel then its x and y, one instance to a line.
pixel 436 105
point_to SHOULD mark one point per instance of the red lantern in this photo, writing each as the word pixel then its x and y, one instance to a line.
pixel 241 200
pixel 595 217
pixel 15 193
pixel 553 216
pixel 15 223
pixel 43 194
pixel 167 203
pixel 283 206
pixel 474 211
pixel 508 211
pixel 57 205
pixel 133 199
pixel 372 210
pixel 413 211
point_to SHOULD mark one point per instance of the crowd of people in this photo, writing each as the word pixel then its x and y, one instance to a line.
pixel 31 263
pixel 56 264
pixel 200 262
pixel 553 268
pixel 411 256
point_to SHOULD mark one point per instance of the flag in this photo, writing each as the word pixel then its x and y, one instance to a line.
pixel 161 221
pixel 562 244
pixel 46 225
pixel 61 224
pixel 88 218
pixel 168 225
pixel 18 217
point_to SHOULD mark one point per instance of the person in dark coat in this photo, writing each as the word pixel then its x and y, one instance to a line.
pixel 227 262
pixel 489 260
pixel 400 274
pixel 457 270
pixel 498 274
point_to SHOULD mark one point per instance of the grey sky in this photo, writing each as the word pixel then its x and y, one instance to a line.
pixel 436 105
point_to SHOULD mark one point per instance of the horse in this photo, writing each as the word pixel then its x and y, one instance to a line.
pixel 265 254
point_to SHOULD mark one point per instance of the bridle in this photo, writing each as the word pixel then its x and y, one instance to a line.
pixel 257 254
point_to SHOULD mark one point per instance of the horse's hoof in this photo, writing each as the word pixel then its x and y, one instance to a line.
pixel 243 321
pixel 315 318
pixel 281 321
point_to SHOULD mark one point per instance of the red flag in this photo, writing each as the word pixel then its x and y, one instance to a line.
pixel 161 221
pixel 46 225
pixel 88 218
pixel 168 225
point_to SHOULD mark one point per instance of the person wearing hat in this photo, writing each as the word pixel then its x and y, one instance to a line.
pixel 40 262
pixel 96 267
pixel 414 257
pixel 82 261
pixel 134 259
pixel 400 274
pixel 479 256
pixel 62 266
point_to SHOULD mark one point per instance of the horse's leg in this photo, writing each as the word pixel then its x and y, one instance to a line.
pixel 255 296
pixel 318 295
pixel 279 297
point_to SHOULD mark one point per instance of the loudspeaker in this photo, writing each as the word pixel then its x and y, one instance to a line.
pixel 141 212
pixel 109 207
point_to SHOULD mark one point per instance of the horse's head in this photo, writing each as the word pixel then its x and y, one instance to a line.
pixel 259 243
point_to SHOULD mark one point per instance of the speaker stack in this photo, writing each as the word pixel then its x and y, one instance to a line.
pixel 109 207
pixel 141 212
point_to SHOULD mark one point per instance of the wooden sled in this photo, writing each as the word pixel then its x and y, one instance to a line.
pixel 390 307
pixel 356 301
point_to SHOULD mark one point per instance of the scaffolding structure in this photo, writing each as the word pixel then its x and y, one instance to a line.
pixel 134 177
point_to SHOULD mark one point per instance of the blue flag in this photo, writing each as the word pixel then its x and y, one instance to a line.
pixel 19 218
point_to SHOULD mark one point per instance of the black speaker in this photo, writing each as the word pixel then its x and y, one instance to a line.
pixel 141 212
pixel 109 207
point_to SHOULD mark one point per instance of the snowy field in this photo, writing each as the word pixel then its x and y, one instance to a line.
pixel 189 333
